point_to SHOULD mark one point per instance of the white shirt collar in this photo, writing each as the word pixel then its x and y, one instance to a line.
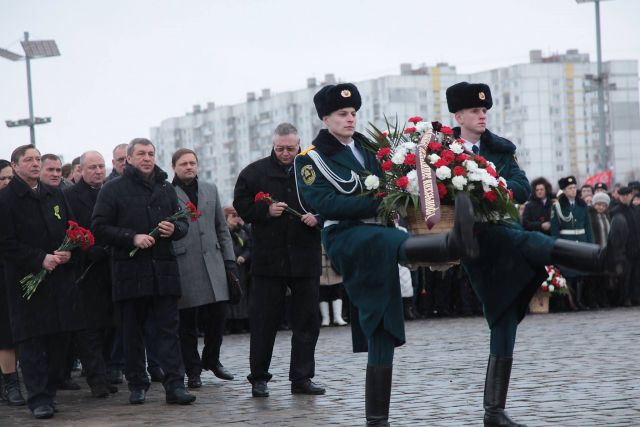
pixel 468 145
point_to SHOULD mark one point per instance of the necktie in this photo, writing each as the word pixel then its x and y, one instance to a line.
pixel 475 149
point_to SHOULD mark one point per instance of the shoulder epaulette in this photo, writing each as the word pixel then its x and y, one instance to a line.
pixel 306 150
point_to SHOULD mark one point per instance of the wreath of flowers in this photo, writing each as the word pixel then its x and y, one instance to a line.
pixel 456 170
pixel 555 283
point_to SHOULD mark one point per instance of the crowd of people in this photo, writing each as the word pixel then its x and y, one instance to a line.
pixel 286 254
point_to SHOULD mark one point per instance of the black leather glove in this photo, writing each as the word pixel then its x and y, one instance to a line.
pixel 233 282
pixel 231 267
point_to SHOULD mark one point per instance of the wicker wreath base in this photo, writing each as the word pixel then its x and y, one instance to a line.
pixel 416 225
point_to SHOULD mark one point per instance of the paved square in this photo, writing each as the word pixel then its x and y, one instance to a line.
pixel 570 369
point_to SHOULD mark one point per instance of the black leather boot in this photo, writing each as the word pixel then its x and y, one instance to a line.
pixel 11 389
pixel 378 395
pixel 586 257
pixel 496 386
pixel 458 243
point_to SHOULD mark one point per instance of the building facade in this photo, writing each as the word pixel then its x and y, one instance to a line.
pixel 548 108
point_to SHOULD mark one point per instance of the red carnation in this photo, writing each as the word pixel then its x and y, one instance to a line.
pixel 409 130
pixel 545 288
pixel 415 119
pixel 410 159
pixel 462 157
pixel 262 197
pixel 387 165
pixel 402 182
pixel 442 190
pixel 434 146
pixel 480 160
pixel 384 151
pixel 446 130
pixel 447 156
pixel 193 211
pixel 440 162
pixel 490 196
pixel 380 195
pixel 460 140
pixel 510 194
pixel 492 172
pixel 459 171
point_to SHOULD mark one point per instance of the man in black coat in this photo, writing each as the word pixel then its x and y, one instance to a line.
pixel 286 253
pixel 33 224
pixel 537 211
pixel 146 282
pixel 94 278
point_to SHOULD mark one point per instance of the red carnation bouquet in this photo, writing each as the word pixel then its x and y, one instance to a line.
pixel 76 237
pixel 266 198
pixel 555 283
pixel 190 211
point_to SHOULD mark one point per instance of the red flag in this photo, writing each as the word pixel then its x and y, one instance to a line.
pixel 604 176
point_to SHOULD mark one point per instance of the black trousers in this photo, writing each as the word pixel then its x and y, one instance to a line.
pixel 42 360
pixel 212 318
pixel 91 345
pixel 266 305
pixel 164 310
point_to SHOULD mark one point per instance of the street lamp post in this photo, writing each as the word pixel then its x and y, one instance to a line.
pixel 33 49
pixel 604 151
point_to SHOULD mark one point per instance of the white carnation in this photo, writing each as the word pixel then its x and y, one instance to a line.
pixel 372 182
pixel 503 181
pixel 552 288
pixel 443 172
pixel 413 188
pixel 489 180
pixel 456 148
pixel 459 182
pixel 433 158
pixel 475 175
pixel 470 165
pixel 423 126
pixel 409 146
pixel 398 156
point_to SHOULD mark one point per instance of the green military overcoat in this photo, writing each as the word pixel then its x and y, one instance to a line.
pixel 510 267
pixel 366 255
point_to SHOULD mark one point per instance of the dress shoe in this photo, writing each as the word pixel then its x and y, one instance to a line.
pixel 221 372
pixel 137 397
pixel 43 412
pixel 260 389
pixel 69 384
pixel 115 376
pixel 99 390
pixel 194 381
pixel 306 387
pixel 180 396
pixel 112 389
pixel 156 373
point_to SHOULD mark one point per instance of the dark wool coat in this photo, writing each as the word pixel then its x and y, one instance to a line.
pixel 366 255
pixel 33 225
pixel 535 213
pixel 132 205
pixel 511 264
pixel 282 246
pixel 95 287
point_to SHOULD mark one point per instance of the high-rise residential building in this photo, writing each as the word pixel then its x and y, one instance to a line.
pixel 548 108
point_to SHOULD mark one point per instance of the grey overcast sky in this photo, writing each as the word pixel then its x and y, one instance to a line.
pixel 127 65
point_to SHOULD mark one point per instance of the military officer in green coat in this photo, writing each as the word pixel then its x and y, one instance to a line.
pixel 570 221
pixel 363 250
pixel 510 267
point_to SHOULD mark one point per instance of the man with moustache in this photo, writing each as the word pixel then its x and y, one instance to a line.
pixel 94 283
pixel 145 283
pixel 33 224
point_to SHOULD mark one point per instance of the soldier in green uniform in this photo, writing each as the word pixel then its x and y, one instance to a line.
pixel 570 221
pixel 364 251
pixel 511 263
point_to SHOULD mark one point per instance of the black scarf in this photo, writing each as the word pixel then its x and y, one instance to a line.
pixel 190 189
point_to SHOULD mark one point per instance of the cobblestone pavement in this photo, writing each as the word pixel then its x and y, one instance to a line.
pixel 570 369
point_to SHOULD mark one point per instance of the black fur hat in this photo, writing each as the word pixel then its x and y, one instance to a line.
pixel 334 97
pixel 566 181
pixel 468 95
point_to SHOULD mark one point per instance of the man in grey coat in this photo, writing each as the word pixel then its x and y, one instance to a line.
pixel 204 256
